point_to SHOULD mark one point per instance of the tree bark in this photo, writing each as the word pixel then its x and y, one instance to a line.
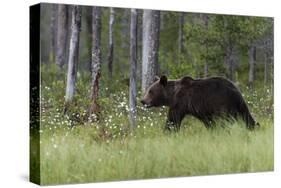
pixel 180 37
pixel 150 66
pixel 133 67
pixel 61 36
pixel 73 54
pixel 111 44
pixel 139 44
pixel 96 59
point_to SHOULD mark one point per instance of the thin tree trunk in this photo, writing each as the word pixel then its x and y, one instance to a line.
pixel 180 37
pixel 96 59
pixel 150 66
pixel 252 66
pixel 111 44
pixel 54 25
pixel 139 44
pixel 133 67
pixel 146 26
pixel 61 36
pixel 73 54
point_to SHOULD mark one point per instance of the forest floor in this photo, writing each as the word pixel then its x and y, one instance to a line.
pixel 73 150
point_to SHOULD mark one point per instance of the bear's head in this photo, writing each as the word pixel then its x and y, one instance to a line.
pixel 156 94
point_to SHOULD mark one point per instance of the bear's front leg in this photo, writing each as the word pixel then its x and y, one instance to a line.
pixel 174 120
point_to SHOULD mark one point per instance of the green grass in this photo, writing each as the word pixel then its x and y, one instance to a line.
pixel 74 150
pixel 74 156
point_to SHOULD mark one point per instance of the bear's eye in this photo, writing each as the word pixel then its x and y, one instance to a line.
pixel 150 92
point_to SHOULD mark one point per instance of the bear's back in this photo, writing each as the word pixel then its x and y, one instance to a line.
pixel 188 86
pixel 214 82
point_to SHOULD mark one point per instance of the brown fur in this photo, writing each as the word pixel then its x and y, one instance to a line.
pixel 204 99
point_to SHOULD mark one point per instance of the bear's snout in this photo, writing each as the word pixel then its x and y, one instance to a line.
pixel 145 103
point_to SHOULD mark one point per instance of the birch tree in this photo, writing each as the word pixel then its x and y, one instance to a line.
pixel 111 44
pixel 73 54
pixel 96 59
pixel 133 67
pixel 150 67
pixel 61 36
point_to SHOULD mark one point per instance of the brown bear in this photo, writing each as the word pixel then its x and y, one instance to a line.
pixel 205 99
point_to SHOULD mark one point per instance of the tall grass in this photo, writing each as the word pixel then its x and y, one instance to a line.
pixel 75 156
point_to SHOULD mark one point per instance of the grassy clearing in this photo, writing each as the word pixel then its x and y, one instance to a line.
pixel 75 157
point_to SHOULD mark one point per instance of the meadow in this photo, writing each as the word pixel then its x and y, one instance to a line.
pixel 76 150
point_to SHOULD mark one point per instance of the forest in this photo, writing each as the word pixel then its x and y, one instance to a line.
pixel 96 64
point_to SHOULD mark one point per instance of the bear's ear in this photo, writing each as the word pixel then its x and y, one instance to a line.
pixel 163 80
pixel 156 78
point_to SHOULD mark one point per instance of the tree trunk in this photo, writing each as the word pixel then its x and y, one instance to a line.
pixel 111 44
pixel 61 36
pixel 180 37
pixel 73 54
pixel 139 44
pixel 133 70
pixel 252 66
pixel 96 59
pixel 150 67
pixel 54 25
